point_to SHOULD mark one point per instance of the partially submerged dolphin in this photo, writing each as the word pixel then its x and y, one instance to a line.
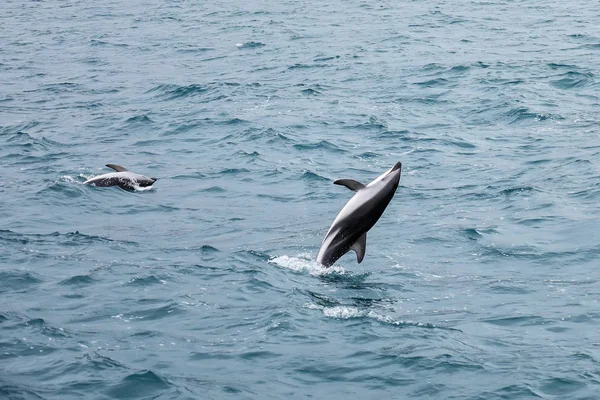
pixel 350 227
pixel 124 179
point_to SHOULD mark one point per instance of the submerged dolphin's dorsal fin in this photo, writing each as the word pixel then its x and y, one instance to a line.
pixel 350 184
pixel 117 168
pixel 360 247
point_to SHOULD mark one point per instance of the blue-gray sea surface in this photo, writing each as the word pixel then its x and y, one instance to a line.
pixel 481 280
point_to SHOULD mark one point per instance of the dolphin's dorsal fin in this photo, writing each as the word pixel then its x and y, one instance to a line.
pixel 117 168
pixel 350 184
pixel 360 247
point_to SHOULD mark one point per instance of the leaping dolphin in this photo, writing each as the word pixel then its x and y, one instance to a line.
pixel 123 178
pixel 350 227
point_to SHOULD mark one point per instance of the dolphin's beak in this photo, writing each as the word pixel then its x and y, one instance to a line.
pixel 395 172
pixel 154 179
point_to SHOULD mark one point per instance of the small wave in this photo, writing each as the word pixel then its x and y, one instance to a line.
pixel 99 362
pixel 518 190
pixel 460 68
pixel 249 45
pixel 245 154
pixel 151 314
pixel 148 143
pixel 477 233
pixel 582 36
pixel 96 42
pixel 311 176
pixel 321 299
pixel 194 49
pixel 459 143
pixel 208 249
pixel 562 387
pixel 65 188
pixel 16 391
pixel 561 66
pixel 24 139
pixel 251 256
pixel 171 92
pixel 573 80
pixel 203 249
pixel 146 384
pixel 196 175
pixel 432 67
pixel 310 92
pixel 61 87
pixel 269 134
pixel 523 114
pixel 139 119
pixel 145 281
pixel 525 320
pixel 233 171
pixel 69 239
pixel 433 83
pixel 509 288
pixel 305 263
pixel 42 326
pixel 322 59
pixel 592 46
pixel 428 99
pixel 522 391
pixel 77 280
pixel 373 123
pixel 346 312
pixel 367 155
pixel 18 129
pixel 323 144
pixel 16 280
pixel 396 134
pixel 305 66
pixel 232 121
pixel 214 189
pixel 472 233
pixel 258 355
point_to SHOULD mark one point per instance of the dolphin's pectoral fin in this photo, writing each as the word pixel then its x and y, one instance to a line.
pixel 350 184
pixel 360 247
pixel 117 168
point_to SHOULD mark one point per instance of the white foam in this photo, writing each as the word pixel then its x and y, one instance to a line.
pixel 425 275
pixel 86 176
pixel 70 179
pixel 345 312
pixel 138 188
pixel 305 262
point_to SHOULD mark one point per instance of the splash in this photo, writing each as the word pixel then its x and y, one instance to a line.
pixel 305 262
pixel 138 188
pixel 69 179
pixel 345 312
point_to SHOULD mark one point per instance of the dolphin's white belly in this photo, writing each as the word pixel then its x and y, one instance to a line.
pixel 355 202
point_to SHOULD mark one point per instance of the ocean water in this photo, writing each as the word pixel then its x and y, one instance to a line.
pixel 480 281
